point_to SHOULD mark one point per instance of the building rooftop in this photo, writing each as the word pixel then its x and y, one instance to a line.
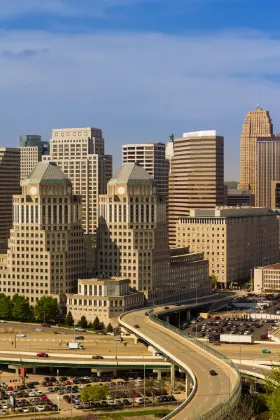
pixel 130 173
pixel 238 192
pixel 228 211
pixel 205 133
pixel 272 267
pixel 47 172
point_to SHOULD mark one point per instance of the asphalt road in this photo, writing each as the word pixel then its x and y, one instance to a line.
pixel 249 352
pixel 211 390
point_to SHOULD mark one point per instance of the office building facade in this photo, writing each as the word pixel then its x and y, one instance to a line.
pixel 79 152
pixel 267 279
pixel 268 169
pixel 256 124
pixel 105 298
pixel 46 247
pixel 32 149
pixel 152 157
pixel 196 178
pixel 239 198
pixel 234 240
pixel 9 185
pixel 132 240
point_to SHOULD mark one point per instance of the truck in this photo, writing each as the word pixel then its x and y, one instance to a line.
pixel 238 339
pixel 75 345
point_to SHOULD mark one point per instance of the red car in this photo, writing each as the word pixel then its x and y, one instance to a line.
pixel 10 388
pixel 45 325
pixel 42 355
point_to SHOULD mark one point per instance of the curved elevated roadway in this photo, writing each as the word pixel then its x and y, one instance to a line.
pixel 210 390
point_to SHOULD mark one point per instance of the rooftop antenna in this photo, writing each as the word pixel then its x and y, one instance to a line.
pixel 258 101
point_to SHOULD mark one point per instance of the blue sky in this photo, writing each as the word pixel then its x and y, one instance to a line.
pixel 138 69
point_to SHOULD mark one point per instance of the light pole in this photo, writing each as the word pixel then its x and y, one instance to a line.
pixel 144 385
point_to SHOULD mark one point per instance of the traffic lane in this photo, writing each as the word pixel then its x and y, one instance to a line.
pixel 210 390
pixel 210 387
pixel 249 351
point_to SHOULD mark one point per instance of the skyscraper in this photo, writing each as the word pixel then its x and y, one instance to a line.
pixel 196 178
pixel 79 152
pixel 268 169
pixel 132 240
pixel 256 124
pixel 152 157
pixel 9 185
pixel 32 148
pixel 46 247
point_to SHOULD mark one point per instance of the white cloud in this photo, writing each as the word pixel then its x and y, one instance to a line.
pixel 137 87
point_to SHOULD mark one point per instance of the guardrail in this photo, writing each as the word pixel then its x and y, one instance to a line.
pixel 222 409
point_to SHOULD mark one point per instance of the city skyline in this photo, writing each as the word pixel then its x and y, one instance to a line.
pixel 195 67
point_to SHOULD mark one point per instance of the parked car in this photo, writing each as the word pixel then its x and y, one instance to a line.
pixel 80 329
pixel 136 326
pixel 97 357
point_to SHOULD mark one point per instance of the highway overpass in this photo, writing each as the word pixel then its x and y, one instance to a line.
pixel 211 396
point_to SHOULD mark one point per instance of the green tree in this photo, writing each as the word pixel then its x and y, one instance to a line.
pixel 272 395
pixel 6 307
pixel 83 322
pixel 46 309
pixel 109 328
pixel 94 392
pixel 21 309
pixel 214 281
pixel 69 319
pixel 96 323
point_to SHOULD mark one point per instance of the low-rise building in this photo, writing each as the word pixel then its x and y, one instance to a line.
pixel 239 198
pixel 267 279
pixel 234 240
pixel 103 297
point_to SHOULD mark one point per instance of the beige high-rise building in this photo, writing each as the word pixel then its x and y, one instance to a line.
pixel 79 152
pixel 32 150
pixel 9 185
pixel 234 240
pixel 152 157
pixel 132 241
pixel 268 169
pixel 256 124
pixel 196 178
pixel 46 247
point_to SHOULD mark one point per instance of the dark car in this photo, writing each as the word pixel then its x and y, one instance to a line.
pixel 126 402
pixel 136 326
pixel 80 337
pixel 97 357
pixel 166 308
pixel 213 372
pixel 54 407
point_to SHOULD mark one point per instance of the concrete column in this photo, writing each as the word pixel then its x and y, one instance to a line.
pixel 158 372
pixel 188 383
pixel 188 315
pixel 98 372
pixel 252 387
pixel 51 369
pixel 135 340
pixel 172 375
pixel 34 370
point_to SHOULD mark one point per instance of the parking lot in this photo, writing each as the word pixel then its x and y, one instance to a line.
pixel 236 325
pixel 50 393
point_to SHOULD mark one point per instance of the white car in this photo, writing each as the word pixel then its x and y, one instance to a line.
pixel 32 394
pixel 25 410
pixel 4 413
pixel 111 402
pixel 2 321
pixel 80 329
pixel 40 408
pixel 38 329
pixel 5 405
pixel 21 335
pixel 38 392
